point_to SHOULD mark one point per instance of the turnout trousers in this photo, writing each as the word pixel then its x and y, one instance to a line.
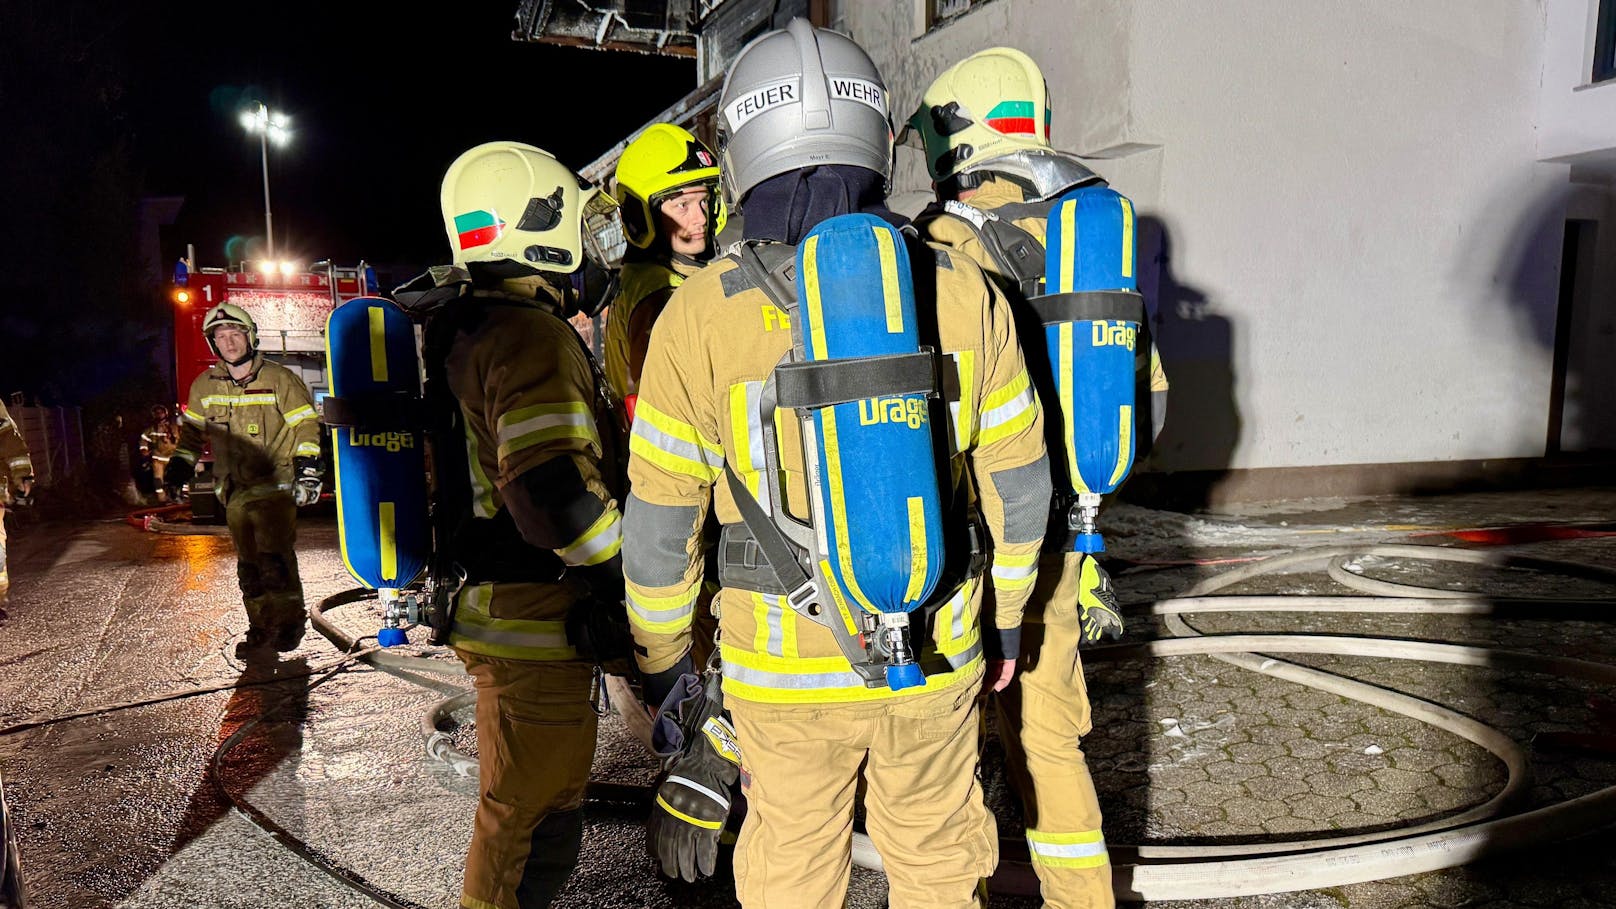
pixel 1042 718
pixel 923 802
pixel 263 526
pixel 535 742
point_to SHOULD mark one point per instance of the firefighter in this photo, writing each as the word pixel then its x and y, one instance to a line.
pixel 807 725
pixel 16 480
pixel 258 419
pixel 528 486
pixel 984 124
pixel 157 444
pixel 667 184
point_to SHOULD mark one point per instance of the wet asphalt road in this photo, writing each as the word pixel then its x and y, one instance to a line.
pixel 118 808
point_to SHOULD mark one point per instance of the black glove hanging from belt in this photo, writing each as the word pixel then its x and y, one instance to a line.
pixel 697 744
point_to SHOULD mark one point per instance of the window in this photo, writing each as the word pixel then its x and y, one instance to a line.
pixel 941 12
pixel 1605 42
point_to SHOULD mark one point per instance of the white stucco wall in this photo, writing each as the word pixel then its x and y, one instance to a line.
pixel 1362 243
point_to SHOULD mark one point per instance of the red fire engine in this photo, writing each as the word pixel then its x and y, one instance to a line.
pixel 289 305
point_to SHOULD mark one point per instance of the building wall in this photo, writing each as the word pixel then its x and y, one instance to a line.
pixel 1356 242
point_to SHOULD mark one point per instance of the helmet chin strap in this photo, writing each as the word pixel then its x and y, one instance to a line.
pixel 241 359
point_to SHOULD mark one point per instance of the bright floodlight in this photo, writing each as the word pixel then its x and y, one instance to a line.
pixel 288 267
pixel 267 266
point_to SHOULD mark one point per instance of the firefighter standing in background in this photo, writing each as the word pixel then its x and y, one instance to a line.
pixel 158 443
pixel 807 724
pixel 528 484
pixel 16 479
pixel 259 420
pixel 985 127
pixel 667 183
pixel 672 211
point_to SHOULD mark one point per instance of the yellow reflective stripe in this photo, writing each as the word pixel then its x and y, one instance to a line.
pixel 667 614
pixel 838 507
pixel 917 544
pixel 1014 571
pixel 810 286
pixel 889 280
pixel 378 344
pixel 192 418
pixel 240 400
pixel 1068 250
pixel 673 445
pixel 697 822
pixel 600 542
pixel 306 449
pixel 388 532
pixel 1124 442
pixel 1127 236
pixel 306 412
pixel 528 426
pixel 523 639
pixel 965 409
pixel 763 632
pixel 1082 849
pixel 482 490
pixel 23 463
pixel 1007 410
pixel 805 680
pixel 746 428
pixel 1063 380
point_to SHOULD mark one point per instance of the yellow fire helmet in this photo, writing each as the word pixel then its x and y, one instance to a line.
pixel 515 206
pixel 991 104
pixel 230 314
pixel 662 161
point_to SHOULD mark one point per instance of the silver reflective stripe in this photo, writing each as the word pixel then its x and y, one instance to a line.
pixel 1007 411
pixel 774 617
pixel 965 657
pixel 673 445
pixel 754 444
pixel 1066 850
pixel 762 678
pixel 657 616
pixel 693 785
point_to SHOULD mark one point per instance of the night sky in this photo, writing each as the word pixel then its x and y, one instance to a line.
pixel 108 102
pixel 381 103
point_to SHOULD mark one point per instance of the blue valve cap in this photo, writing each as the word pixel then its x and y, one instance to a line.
pixel 391 637
pixel 905 675
pixel 1088 542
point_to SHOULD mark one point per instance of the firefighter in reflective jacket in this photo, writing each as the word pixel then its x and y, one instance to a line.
pixel 540 532
pixel 984 124
pixel 807 724
pixel 667 184
pixel 16 478
pixel 258 417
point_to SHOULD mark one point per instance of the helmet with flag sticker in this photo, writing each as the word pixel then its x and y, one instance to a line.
pixel 991 104
pixel 515 207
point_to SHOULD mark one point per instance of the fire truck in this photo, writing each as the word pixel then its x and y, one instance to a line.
pixel 289 305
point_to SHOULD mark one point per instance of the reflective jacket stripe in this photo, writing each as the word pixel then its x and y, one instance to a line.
pixel 528 426
pixel 663 614
pixel 1008 410
pixel 512 639
pixel 1012 572
pixel 600 542
pixel 674 446
pixel 261 398
pixel 299 415
pixel 795 680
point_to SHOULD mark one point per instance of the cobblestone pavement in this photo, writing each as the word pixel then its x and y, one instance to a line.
pixel 116 810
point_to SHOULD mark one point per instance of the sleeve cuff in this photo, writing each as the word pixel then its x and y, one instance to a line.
pixel 658 684
pixel 1003 644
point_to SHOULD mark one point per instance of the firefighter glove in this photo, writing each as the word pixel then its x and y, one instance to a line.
pixel 308 471
pixel 23 495
pixel 703 760
pixel 1097 603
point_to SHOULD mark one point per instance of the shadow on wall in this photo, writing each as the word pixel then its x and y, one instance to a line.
pixel 1202 426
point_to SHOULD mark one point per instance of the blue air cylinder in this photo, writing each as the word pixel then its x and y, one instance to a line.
pixel 382 518
pixel 872 464
pixel 1092 312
